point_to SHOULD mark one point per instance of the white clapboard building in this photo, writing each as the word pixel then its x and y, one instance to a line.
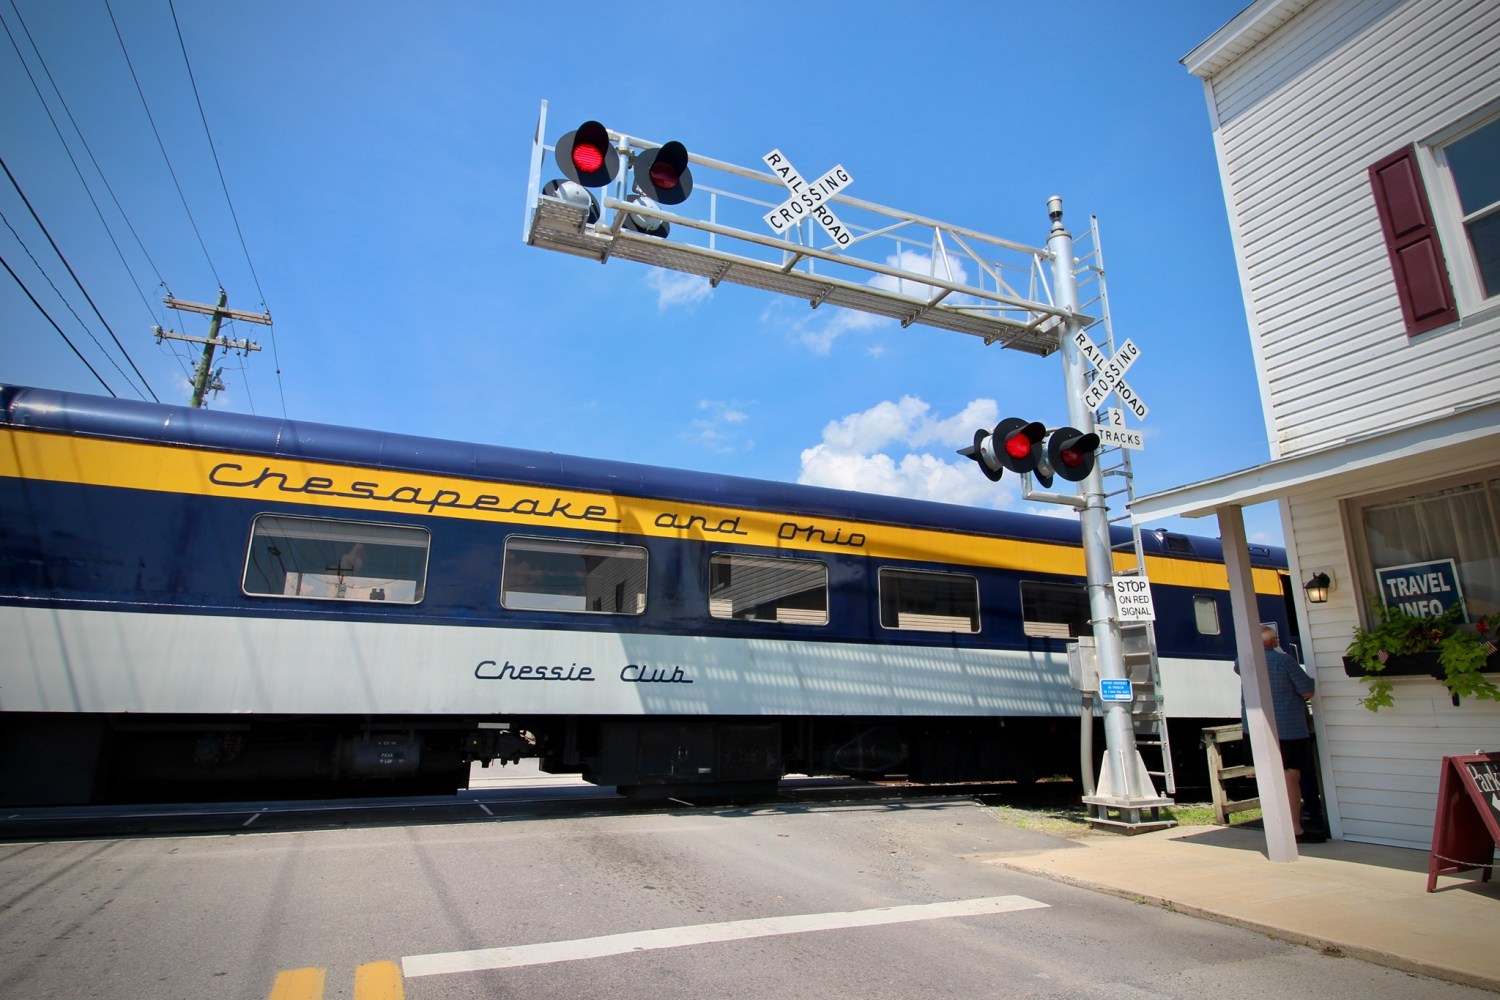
pixel 1359 147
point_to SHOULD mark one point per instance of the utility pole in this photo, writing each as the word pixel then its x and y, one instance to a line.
pixel 205 378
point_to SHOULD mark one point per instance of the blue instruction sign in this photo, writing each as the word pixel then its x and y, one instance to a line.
pixel 1426 588
pixel 1115 689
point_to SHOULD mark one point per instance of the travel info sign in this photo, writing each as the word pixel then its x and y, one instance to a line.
pixel 1421 589
pixel 1133 599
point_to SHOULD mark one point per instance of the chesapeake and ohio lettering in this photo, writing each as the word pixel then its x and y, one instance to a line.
pixel 690 522
pixel 791 531
pixel 235 476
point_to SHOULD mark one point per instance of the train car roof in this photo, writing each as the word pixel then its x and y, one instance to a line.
pixel 101 416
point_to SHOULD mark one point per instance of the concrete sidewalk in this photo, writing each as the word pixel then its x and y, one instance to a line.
pixel 1360 900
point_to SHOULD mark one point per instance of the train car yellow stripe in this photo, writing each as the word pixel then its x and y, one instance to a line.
pixel 163 468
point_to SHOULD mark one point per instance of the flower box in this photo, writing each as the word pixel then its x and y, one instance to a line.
pixel 1424 664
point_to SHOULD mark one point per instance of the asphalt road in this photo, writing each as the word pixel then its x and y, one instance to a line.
pixel 865 899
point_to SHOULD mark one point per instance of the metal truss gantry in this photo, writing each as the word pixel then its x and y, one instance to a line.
pixel 969 282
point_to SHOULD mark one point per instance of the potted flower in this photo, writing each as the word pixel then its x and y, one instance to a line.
pixel 1440 645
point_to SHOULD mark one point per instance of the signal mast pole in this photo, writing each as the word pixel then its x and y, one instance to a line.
pixel 1123 782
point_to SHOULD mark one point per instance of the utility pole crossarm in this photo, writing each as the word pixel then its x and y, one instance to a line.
pixel 204 377
pixel 233 345
pixel 264 319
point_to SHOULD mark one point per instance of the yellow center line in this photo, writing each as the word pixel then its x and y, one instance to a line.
pixel 378 981
pixel 372 981
pixel 299 984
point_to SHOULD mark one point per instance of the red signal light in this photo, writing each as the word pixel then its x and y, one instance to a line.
pixel 1018 446
pixel 1070 453
pixel 662 174
pixel 587 158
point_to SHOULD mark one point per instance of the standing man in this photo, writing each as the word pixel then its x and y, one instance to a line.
pixel 1291 690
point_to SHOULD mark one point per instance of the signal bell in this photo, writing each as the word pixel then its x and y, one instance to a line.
pixel 587 156
pixel 648 225
pixel 574 194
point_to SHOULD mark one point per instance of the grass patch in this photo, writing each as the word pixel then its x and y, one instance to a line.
pixel 1071 821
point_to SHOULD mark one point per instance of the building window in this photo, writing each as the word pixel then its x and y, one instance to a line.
pixel 557 574
pixel 755 588
pixel 929 602
pixel 336 560
pixel 1458 526
pixel 1473 163
pixel 1055 610
pixel 1439 207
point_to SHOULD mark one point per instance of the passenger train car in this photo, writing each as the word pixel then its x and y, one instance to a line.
pixel 196 604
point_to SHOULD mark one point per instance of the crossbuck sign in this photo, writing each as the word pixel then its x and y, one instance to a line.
pixel 808 199
pixel 1109 375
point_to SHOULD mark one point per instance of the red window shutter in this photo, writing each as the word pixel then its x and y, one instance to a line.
pixel 1411 239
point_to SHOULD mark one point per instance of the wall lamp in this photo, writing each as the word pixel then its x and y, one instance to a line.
pixel 1318 587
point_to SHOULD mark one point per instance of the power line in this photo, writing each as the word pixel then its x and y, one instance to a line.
pixel 230 202
pixel 76 168
pixel 161 145
pixel 63 299
pixel 59 329
pixel 60 256
pixel 214 150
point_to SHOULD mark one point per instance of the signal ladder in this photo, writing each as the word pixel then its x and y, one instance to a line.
pixel 1138 639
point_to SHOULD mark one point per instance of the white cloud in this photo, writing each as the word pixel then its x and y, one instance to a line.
pixel 947 267
pixel 819 329
pixel 719 429
pixel 902 449
pixel 673 288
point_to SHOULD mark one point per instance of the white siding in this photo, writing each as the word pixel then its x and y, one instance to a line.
pixel 1380 769
pixel 1300 118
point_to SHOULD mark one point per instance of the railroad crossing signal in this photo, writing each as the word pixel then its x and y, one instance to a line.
pixel 1070 453
pixel 587 156
pixel 662 174
pixel 1023 446
pixel 590 160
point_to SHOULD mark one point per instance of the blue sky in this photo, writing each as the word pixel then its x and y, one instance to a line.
pixel 377 165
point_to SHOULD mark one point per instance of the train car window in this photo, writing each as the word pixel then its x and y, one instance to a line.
pixel 555 574
pixel 929 602
pixel 1206 613
pixel 1054 610
pixel 336 560
pixel 754 588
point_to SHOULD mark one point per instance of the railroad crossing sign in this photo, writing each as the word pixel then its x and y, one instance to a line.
pixel 1117 436
pixel 808 199
pixel 1109 375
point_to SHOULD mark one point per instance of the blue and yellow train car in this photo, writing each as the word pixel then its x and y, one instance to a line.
pixel 204 604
